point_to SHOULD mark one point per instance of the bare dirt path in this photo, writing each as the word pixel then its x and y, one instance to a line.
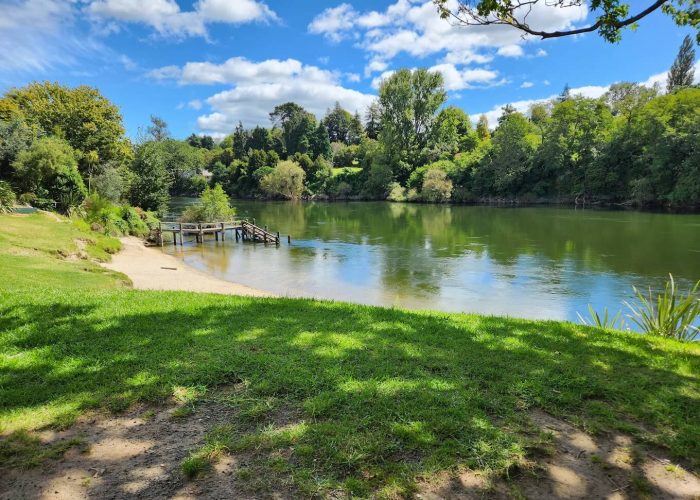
pixel 151 269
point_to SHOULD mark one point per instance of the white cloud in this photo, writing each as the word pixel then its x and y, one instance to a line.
pixel 660 78
pixel 353 77
pixel 526 85
pixel 334 23
pixel 511 51
pixel 166 17
pixel 38 36
pixel 458 79
pixel 195 104
pixel 257 87
pixel 374 66
pixel 541 53
pixel 415 28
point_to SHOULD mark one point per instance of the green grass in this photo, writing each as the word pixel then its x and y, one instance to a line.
pixel 334 396
pixel 343 170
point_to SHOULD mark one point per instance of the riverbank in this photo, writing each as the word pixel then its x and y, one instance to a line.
pixel 106 390
pixel 151 269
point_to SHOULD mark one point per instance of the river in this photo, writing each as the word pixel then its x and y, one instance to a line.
pixel 538 262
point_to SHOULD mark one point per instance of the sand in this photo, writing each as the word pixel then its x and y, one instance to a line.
pixel 151 269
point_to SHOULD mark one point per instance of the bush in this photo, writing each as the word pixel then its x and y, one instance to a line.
pixel 114 220
pixel 213 206
pixel 286 181
pixel 7 197
pixel 437 187
pixel 49 170
pixel 396 192
pixel 109 184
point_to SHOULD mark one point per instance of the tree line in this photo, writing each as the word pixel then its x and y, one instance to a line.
pixel 634 145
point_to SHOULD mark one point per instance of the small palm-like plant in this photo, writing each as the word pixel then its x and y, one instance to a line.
pixel 669 314
pixel 605 322
pixel 7 198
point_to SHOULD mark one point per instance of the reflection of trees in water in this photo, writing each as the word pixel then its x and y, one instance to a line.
pixel 646 244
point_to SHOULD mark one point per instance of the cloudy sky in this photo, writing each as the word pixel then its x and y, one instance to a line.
pixel 204 65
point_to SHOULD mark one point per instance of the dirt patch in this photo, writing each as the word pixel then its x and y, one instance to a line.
pixel 577 466
pixel 138 455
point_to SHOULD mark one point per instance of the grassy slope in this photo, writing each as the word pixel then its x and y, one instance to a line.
pixel 376 396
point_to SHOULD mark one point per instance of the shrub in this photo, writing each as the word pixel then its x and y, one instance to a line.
pixel 396 192
pixel 436 186
pixel 7 197
pixel 109 184
pixel 286 181
pixel 49 169
pixel 213 206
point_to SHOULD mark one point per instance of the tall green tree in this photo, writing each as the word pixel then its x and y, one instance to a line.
pixel 373 118
pixel 321 145
pixel 452 132
pixel 682 72
pixel 514 143
pixel 298 127
pixel 80 115
pixel 158 129
pixel 409 101
pixel 337 121
pixel 482 128
pixel 151 184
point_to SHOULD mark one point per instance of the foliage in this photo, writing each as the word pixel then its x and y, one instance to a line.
pixel 681 73
pixel 49 170
pixel 183 163
pixel 298 127
pixel 213 206
pixel 437 187
pixel 116 220
pixel 15 136
pixel 669 314
pixel 408 101
pixel 158 129
pixel 605 322
pixel 81 115
pixel 111 183
pixel 150 188
pixel 7 198
pixel 611 16
pixel 285 181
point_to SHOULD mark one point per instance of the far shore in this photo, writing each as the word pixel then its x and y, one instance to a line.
pixel 151 269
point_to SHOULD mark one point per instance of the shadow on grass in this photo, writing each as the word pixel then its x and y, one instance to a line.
pixel 385 395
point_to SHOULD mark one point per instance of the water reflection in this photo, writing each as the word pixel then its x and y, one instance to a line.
pixel 528 262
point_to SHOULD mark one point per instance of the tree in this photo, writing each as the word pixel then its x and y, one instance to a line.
pixel 409 101
pixel 81 115
pixel 572 141
pixel 49 170
pixel 514 144
pixel 373 119
pixel 150 189
pixel 259 139
pixel 337 121
pixel 213 206
pixel 452 132
pixel 482 128
pixel 682 72
pixel 357 131
pixel 286 181
pixel 158 129
pixel 15 136
pixel 298 127
pixel 240 139
pixel 321 146
pixel 612 16
pixel 625 98
pixel 539 114
pixel 183 163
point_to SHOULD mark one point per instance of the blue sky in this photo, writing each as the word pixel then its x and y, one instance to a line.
pixel 206 64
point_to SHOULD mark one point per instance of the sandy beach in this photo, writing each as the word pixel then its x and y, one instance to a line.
pixel 151 269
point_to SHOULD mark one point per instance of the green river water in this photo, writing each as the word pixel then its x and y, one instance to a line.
pixel 523 262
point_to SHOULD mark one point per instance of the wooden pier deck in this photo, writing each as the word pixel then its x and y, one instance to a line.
pixel 241 229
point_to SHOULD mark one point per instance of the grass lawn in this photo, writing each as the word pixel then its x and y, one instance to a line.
pixel 343 170
pixel 373 398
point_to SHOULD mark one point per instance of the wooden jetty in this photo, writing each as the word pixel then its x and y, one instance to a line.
pixel 241 229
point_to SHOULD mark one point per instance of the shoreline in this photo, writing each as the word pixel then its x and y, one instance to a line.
pixel 151 269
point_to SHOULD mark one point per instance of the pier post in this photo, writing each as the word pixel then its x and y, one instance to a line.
pixel 223 232
pixel 289 239
pixel 181 234
pixel 160 233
